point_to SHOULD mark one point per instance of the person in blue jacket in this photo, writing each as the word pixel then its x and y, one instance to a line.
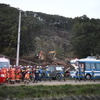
pixel 93 73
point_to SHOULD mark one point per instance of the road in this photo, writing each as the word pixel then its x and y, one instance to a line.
pixel 54 82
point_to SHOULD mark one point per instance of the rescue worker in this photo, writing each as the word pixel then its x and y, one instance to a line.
pixel 4 70
pixel 27 78
pixel 37 72
pixel 18 75
pixel 33 74
pixel 47 74
pixel 9 73
pixel 83 73
pixel 40 73
pixel 93 73
pixel 23 72
pixel 12 72
pixel 77 74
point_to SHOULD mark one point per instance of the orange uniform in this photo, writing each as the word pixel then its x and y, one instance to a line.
pixel 18 76
pixel 27 76
pixel 4 70
pixel 12 72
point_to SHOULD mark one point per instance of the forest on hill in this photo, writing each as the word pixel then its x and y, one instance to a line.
pixel 69 37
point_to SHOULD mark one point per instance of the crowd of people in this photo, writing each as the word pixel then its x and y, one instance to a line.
pixel 34 74
pixel 22 73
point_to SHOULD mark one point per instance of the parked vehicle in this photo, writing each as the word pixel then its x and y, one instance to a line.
pixel 88 68
pixel 4 65
pixel 54 72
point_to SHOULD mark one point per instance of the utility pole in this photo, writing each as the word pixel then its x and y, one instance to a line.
pixel 18 41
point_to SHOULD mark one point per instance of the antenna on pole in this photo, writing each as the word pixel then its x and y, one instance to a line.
pixel 18 41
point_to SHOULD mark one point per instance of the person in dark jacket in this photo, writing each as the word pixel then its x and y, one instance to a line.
pixel 37 72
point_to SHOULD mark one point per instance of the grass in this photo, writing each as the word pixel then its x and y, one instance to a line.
pixel 41 91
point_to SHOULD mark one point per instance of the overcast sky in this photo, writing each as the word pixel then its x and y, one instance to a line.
pixel 67 8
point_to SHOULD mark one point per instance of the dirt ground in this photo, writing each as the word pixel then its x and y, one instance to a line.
pixel 55 82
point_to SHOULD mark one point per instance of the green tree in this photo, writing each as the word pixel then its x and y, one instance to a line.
pixel 85 37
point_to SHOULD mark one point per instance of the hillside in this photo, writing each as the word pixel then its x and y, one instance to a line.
pixel 43 32
pixel 39 31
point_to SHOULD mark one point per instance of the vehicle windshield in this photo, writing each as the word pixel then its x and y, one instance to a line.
pixel 4 64
pixel 59 68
